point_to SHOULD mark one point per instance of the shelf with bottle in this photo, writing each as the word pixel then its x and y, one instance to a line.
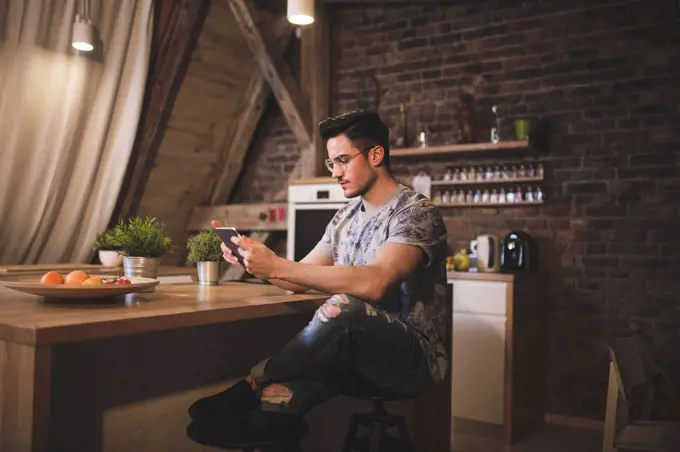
pixel 486 197
pixel 488 175
pixel 488 204
pixel 458 148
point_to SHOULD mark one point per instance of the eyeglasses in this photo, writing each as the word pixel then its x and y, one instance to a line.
pixel 343 160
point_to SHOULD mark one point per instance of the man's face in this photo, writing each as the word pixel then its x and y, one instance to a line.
pixel 350 167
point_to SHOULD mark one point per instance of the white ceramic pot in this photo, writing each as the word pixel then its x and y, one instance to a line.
pixel 110 258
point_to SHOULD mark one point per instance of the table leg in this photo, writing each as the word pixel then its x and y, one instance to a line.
pixel 24 397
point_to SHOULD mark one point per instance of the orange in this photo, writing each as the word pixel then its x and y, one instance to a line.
pixel 76 277
pixel 52 278
pixel 92 281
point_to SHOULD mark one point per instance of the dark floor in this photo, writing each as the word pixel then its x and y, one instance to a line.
pixel 551 438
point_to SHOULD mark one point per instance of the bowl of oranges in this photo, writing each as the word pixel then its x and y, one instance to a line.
pixel 78 284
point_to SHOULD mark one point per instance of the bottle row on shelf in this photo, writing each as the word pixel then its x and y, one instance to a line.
pixel 530 195
pixel 496 174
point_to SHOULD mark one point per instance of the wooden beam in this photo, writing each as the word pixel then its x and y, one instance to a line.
pixel 235 148
pixel 183 26
pixel 315 74
pixel 277 73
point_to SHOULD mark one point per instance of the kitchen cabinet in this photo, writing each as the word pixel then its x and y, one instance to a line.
pixel 497 339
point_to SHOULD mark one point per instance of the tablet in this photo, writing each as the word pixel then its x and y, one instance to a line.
pixel 225 234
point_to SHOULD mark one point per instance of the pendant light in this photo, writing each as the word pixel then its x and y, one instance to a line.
pixel 300 12
pixel 83 30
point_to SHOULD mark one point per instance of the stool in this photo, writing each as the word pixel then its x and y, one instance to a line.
pixel 378 423
pixel 282 436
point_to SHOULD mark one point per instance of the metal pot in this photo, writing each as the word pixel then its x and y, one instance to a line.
pixel 208 273
pixel 145 267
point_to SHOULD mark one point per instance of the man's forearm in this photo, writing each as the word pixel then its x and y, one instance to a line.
pixel 285 285
pixel 360 281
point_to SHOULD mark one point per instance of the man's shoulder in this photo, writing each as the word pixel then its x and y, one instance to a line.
pixel 347 210
pixel 413 203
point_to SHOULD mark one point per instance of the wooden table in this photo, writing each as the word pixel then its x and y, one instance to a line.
pixel 33 334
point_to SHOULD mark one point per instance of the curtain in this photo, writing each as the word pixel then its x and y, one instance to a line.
pixel 68 121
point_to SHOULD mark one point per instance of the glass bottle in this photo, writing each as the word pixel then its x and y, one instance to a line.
pixel 496 125
pixel 531 172
pixel 521 172
pixel 446 197
pixel 510 196
pixel 494 196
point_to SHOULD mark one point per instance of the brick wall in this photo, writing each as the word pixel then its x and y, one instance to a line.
pixel 605 77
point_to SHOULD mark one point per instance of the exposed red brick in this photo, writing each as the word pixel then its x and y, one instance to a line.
pixel 605 77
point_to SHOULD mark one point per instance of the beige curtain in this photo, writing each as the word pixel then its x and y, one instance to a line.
pixel 67 123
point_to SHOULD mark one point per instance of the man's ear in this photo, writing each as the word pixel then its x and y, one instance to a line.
pixel 377 155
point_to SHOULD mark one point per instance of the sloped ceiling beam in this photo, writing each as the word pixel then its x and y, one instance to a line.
pixel 294 106
pixel 236 146
pixel 315 79
pixel 182 27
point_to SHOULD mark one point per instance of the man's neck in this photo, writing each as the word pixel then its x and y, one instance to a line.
pixel 381 192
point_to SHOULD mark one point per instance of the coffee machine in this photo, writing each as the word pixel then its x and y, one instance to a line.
pixel 518 252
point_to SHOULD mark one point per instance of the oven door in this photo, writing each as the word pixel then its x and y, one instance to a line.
pixel 306 225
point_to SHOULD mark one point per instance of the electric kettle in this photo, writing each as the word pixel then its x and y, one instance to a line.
pixel 488 254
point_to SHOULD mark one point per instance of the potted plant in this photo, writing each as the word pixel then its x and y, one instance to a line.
pixel 205 252
pixel 143 242
pixel 107 249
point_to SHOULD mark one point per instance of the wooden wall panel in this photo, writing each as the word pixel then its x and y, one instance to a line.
pixel 206 107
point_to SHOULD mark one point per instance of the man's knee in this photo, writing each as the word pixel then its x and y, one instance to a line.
pixel 342 305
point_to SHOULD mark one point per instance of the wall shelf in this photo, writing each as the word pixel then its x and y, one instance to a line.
pixel 488 204
pixel 514 180
pixel 458 148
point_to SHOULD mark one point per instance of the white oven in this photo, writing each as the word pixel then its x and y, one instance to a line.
pixel 311 206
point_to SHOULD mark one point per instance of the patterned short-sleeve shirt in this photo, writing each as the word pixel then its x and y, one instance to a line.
pixel 354 237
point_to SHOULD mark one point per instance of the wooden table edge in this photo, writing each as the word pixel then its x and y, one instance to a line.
pixel 58 334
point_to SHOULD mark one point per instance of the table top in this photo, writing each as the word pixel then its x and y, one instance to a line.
pixel 32 320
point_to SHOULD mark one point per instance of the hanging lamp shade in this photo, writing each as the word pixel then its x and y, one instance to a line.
pixel 83 34
pixel 300 12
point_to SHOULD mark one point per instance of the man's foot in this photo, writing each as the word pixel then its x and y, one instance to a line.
pixel 239 397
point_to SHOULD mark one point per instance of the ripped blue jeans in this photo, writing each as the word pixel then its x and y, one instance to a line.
pixel 347 340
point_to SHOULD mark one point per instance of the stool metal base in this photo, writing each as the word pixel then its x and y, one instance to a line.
pixel 378 439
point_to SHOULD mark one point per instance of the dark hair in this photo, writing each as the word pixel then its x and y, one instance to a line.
pixel 363 128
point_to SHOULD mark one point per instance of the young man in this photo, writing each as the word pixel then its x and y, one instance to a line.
pixel 382 260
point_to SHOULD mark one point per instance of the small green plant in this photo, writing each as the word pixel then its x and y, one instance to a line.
pixel 142 237
pixel 105 241
pixel 204 247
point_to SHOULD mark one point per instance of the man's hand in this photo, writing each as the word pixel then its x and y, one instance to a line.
pixel 259 260
pixel 226 252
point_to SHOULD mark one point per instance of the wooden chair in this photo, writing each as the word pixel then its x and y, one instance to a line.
pixel 620 433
